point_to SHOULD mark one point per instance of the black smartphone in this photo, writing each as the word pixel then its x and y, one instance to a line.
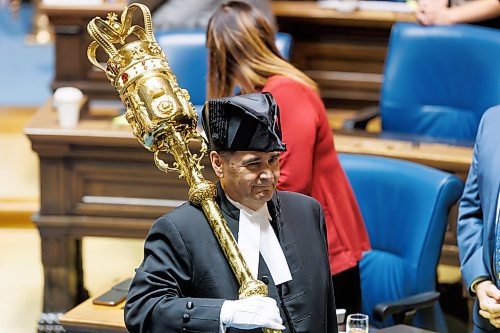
pixel 123 286
pixel 111 297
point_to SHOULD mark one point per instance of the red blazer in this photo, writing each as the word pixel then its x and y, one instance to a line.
pixel 311 166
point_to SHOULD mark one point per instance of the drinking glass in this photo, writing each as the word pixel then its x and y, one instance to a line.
pixel 357 323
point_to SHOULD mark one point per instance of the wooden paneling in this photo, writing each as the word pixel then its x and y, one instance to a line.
pixel 96 180
pixel 72 68
pixel 343 52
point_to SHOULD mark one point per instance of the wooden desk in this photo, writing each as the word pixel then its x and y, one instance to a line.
pixel 88 317
pixel 72 68
pixel 96 180
pixel 454 159
pixel 343 52
pixel 402 329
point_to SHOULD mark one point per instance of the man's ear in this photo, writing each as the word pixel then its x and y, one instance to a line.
pixel 216 160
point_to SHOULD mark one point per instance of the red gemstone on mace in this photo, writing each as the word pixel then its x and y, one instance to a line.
pixel 124 77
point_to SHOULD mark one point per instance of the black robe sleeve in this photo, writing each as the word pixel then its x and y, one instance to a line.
pixel 331 319
pixel 155 302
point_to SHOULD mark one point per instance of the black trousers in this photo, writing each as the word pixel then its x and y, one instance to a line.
pixel 347 289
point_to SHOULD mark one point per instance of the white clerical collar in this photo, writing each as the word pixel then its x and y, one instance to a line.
pixel 256 235
pixel 262 210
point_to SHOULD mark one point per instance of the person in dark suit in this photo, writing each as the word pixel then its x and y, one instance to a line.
pixel 478 225
pixel 242 53
pixel 185 283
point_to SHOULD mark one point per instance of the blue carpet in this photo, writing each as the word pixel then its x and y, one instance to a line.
pixel 26 70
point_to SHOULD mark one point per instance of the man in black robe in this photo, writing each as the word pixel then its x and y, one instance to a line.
pixel 185 284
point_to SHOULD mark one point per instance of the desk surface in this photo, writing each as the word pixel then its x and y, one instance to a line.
pixel 99 318
pixel 44 126
pixel 343 52
pixel 96 180
pixel 84 10
pixel 452 158
pixel 311 10
pixel 402 329
pixel 455 159
pixel 290 9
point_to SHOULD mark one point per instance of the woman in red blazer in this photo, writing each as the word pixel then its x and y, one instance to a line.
pixel 242 53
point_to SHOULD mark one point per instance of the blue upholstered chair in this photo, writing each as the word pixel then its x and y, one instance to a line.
pixel 284 43
pixel 405 207
pixel 439 80
pixel 188 58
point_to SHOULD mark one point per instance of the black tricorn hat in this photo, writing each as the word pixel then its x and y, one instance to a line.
pixel 243 123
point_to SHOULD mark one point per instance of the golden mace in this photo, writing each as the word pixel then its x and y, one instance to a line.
pixel 163 119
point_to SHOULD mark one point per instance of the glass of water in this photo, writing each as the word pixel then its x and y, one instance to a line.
pixel 357 323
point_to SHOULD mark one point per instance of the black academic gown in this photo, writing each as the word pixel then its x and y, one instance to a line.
pixel 184 278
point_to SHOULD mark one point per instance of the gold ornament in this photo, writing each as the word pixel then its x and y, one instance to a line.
pixel 163 119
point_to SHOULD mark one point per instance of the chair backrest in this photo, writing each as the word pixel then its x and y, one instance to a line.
pixel 284 43
pixel 188 57
pixel 439 80
pixel 405 207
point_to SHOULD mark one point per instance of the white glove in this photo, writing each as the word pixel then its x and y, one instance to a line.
pixel 251 312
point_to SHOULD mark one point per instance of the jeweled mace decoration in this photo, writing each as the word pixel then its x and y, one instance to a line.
pixel 163 119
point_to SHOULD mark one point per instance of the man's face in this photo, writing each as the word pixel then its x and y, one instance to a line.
pixel 249 178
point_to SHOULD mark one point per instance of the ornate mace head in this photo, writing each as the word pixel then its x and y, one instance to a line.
pixel 139 70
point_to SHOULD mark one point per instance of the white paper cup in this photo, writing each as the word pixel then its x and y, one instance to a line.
pixel 340 316
pixel 67 101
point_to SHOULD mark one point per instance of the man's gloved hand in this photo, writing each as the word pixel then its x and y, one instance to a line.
pixel 251 312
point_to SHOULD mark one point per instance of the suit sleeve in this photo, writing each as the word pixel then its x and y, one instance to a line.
pixel 331 307
pixel 155 302
pixel 470 223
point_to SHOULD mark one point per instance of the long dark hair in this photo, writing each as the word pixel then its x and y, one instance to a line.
pixel 242 52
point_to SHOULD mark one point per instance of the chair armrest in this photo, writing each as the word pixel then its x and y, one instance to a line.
pixel 399 309
pixel 361 118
